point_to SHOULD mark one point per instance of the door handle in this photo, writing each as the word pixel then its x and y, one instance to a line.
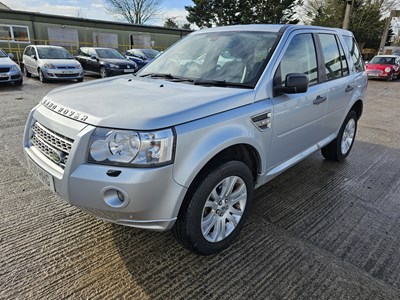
pixel 319 100
pixel 349 88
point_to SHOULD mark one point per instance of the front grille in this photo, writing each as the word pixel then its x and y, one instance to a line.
pixel 4 70
pixel 51 144
pixel 67 75
pixel 374 72
pixel 66 67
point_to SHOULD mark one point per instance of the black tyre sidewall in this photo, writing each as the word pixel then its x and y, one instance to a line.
pixel 103 69
pixel 351 115
pixel 41 76
pixel 192 237
pixel 26 73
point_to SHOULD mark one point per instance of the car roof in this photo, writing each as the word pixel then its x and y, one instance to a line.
pixel 96 48
pixel 269 28
pixel 388 55
pixel 46 46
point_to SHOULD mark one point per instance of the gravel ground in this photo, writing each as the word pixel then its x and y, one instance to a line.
pixel 321 230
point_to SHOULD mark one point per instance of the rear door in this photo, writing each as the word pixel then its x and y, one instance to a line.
pixel 28 60
pixel 298 118
pixel 337 80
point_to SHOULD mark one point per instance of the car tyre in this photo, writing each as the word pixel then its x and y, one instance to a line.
pixel 26 73
pixel 41 76
pixel 390 78
pixel 80 79
pixel 214 211
pixel 339 148
pixel 103 72
pixel 19 82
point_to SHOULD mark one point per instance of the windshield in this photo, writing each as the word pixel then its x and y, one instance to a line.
pixel 53 53
pixel 109 53
pixel 382 60
pixel 229 57
pixel 150 53
pixel 3 54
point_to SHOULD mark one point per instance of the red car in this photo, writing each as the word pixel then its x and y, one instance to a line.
pixel 384 67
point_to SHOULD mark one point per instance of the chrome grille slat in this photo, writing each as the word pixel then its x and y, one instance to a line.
pixel 51 144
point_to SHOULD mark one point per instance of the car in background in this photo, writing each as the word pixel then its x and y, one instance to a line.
pixel 104 62
pixel 9 70
pixel 141 56
pixel 51 63
pixel 384 67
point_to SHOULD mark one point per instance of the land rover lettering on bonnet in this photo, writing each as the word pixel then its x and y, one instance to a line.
pixel 182 144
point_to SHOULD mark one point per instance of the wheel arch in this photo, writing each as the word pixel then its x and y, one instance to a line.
pixel 358 108
pixel 245 153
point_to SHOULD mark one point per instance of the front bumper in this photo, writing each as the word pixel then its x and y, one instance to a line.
pixel 63 74
pixel 151 198
pixel 11 76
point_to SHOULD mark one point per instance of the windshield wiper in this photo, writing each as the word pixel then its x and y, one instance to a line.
pixel 222 83
pixel 167 76
pixel 160 75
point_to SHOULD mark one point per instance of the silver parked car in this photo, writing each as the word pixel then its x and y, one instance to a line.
pixel 51 63
pixel 183 144
pixel 9 70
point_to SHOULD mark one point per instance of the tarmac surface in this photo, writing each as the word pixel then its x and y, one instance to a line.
pixel 321 230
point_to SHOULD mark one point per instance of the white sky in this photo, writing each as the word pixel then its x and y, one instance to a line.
pixel 95 9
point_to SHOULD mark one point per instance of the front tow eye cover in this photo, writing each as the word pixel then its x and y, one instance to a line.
pixel 113 173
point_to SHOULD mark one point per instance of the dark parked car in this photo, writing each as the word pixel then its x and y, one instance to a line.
pixel 141 56
pixel 104 62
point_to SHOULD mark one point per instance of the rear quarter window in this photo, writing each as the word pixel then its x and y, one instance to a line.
pixel 354 53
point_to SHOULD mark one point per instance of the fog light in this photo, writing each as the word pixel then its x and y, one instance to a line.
pixel 115 197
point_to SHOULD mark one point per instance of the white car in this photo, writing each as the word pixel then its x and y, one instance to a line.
pixel 51 63
pixel 9 70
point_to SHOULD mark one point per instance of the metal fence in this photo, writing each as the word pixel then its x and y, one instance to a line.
pixel 17 47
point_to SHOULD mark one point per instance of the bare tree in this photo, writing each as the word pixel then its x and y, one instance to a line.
pixel 135 11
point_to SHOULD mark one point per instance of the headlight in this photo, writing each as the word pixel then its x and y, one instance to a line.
pixel 114 66
pixel 15 68
pixel 49 66
pixel 131 148
pixel 387 70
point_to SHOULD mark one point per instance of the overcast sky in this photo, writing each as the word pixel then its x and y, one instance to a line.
pixel 94 9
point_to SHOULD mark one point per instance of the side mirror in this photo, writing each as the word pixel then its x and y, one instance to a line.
pixel 34 57
pixel 295 83
pixel 94 57
pixel 10 55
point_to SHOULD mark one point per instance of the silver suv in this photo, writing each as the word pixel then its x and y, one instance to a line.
pixel 183 144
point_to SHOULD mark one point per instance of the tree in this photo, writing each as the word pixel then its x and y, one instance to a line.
pixel 367 21
pixel 208 13
pixel 135 11
pixel 172 22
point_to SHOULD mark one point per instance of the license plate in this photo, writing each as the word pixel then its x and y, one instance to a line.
pixel 3 75
pixel 41 174
pixel 129 70
pixel 67 72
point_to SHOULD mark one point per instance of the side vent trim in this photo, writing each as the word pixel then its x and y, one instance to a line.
pixel 262 121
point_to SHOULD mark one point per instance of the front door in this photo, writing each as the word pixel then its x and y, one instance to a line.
pixel 297 118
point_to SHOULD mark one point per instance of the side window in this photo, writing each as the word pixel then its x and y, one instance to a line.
pixel 27 51
pixel 345 66
pixel 332 58
pixel 300 57
pixel 91 52
pixel 354 53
